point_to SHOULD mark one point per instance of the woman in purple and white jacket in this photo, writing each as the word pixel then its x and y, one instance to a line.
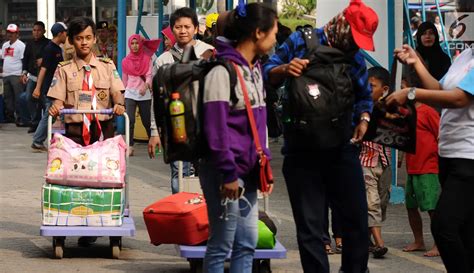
pixel 232 159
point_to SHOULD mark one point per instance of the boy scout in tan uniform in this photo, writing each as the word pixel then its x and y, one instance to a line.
pixel 86 83
pixel 67 86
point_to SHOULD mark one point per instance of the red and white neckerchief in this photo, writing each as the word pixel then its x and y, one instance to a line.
pixel 88 85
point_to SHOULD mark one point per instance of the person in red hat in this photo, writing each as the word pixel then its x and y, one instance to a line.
pixel 12 54
pixel 314 175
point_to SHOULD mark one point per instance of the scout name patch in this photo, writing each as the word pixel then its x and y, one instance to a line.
pixel 102 95
pixel 85 98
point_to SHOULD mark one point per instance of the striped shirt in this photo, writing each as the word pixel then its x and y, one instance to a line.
pixel 371 153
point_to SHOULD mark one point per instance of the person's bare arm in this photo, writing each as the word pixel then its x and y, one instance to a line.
pixel 455 98
pixel 292 69
pixel 55 107
pixel 37 92
pixel 407 55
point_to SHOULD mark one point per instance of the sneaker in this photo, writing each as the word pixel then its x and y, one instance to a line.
pixel 379 252
pixel 32 129
pixel 371 246
pixel 339 249
pixel 38 148
pixel 22 124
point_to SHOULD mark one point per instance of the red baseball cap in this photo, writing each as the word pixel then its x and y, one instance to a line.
pixel 12 28
pixel 363 21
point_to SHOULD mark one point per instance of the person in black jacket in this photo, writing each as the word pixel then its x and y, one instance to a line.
pixel 31 63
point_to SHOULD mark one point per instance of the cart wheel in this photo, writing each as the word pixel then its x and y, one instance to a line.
pixel 116 246
pixel 261 266
pixel 115 252
pixel 265 266
pixel 195 265
pixel 58 247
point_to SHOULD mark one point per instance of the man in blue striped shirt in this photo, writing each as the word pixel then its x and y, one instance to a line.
pixel 335 173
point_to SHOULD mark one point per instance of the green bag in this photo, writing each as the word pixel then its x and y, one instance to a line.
pixel 266 238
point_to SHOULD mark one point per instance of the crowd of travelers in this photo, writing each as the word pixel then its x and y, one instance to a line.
pixel 330 173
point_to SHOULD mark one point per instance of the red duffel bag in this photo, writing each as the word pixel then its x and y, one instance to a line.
pixel 177 219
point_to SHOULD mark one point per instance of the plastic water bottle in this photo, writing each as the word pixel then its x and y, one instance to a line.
pixel 178 126
pixel 158 150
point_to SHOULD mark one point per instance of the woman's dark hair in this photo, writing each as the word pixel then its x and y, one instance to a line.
pixel 465 6
pixel 239 28
pixel 40 24
pixel 380 74
pixel 184 12
pixel 78 25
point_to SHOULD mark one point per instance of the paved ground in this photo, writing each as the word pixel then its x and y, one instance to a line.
pixel 23 250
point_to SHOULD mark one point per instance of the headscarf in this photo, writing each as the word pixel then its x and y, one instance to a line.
pixel 338 32
pixel 434 57
pixel 138 63
pixel 169 34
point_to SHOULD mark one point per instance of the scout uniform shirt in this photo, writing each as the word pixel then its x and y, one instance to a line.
pixel 67 86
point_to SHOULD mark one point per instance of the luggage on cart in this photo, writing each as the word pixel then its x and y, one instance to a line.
pixel 99 165
pixel 75 211
pixel 74 206
pixel 178 219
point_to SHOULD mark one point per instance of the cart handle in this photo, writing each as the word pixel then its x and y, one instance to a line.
pixel 108 111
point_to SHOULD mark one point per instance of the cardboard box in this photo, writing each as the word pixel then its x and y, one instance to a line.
pixel 74 206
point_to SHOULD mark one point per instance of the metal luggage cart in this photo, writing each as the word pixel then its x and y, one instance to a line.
pixel 59 233
pixel 195 254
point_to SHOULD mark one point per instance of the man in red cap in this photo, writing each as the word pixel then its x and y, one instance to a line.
pixel 313 174
pixel 12 55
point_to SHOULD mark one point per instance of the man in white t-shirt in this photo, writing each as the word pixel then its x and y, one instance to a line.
pixel 12 55
pixel 184 24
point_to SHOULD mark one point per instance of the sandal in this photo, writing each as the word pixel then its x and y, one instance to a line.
pixel 339 249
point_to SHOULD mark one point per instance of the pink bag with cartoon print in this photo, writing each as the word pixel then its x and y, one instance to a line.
pixel 100 165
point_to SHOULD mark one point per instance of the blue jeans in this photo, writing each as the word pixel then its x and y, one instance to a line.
pixel 174 174
pixel 42 130
pixel 312 180
pixel 25 115
pixel 33 105
pixel 232 225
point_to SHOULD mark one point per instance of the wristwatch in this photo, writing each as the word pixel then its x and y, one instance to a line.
pixel 411 94
pixel 365 118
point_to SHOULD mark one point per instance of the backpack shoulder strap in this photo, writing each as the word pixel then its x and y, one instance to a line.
pixel 232 76
pixel 310 37
pixel 176 55
pixel 208 65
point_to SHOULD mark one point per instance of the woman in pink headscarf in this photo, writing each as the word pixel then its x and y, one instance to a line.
pixel 136 76
pixel 168 38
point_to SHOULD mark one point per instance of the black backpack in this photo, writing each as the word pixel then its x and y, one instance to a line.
pixel 319 104
pixel 187 78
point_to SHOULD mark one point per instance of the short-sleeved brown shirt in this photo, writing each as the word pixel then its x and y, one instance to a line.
pixel 67 86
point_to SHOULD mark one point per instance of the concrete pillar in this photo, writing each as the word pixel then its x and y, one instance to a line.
pixel 42 14
pixel 46 12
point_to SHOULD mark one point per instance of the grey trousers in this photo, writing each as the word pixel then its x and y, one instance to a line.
pixel 12 89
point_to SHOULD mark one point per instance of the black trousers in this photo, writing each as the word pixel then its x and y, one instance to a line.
pixel 74 131
pixel 336 226
pixel 334 176
pixel 453 221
